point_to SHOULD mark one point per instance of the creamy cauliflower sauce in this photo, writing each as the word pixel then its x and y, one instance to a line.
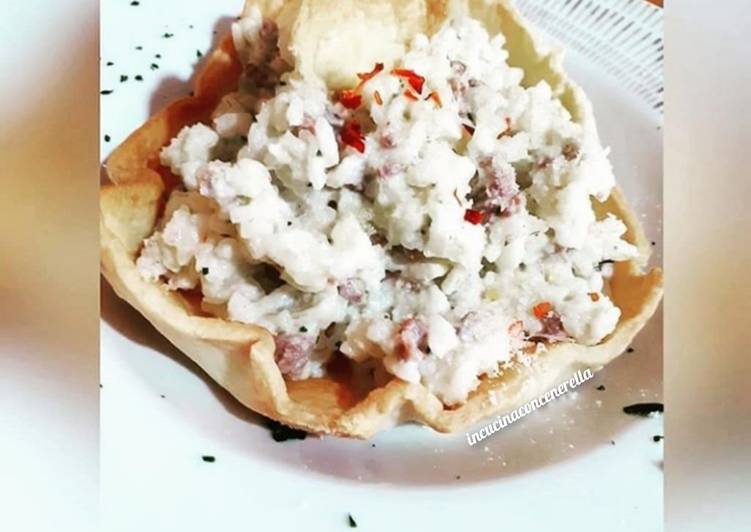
pixel 433 222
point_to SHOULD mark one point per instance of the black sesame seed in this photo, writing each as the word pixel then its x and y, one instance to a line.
pixel 654 243
pixel 372 444
pixel 139 47
pixel 612 442
pixel 289 223
pixel 656 438
pixel 138 77
pixel 109 63
pixel 205 270
pixel 135 3
pixel 630 350
pixel 601 387
pixel 351 520
pixel 162 395
pixel 123 78
pixel 318 153
pixel 332 204
pixel 168 35
pixel 208 458
pixel 303 329
pixel 153 66
pixel 458 477
pixel 107 138
pixel 106 92
pixel 158 56
pixel 199 53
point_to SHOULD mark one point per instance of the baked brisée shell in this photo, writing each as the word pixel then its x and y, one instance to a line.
pixel 240 357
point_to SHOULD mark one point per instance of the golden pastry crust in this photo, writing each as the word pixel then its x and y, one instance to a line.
pixel 240 357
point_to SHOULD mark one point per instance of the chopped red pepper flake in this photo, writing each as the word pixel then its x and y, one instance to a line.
pixel 365 76
pixel 474 217
pixel 469 129
pixel 541 310
pixel 415 81
pixel 436 98
pixel 350 99
pixel 377 98
pixel 410 95
pixel 351 135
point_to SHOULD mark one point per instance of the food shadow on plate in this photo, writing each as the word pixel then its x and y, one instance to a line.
pixel 171 88
pixel 132 325
pixel 586 420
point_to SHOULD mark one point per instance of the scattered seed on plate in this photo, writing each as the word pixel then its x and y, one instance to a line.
pixel 154 66
pixel 601 387
pixel 208 458
pixel 123 78
pixel 106 92
pixel 138 77
pixel 351 521
pixel 107 138
pixel 158 56
pixel 199 53
pixel 656 438
pixel 168 35
pixel 139 47
pixel 135 3
pixel 630 350
pixel 109 63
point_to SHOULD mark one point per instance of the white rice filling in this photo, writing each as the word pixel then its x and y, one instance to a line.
pixel 462 234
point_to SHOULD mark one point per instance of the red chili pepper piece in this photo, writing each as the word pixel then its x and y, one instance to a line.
pixel 365 76
pixel 474 217
pixel 350 99
pixel 542 309
pixel 469 129
pixel 416 81
pixel 351 135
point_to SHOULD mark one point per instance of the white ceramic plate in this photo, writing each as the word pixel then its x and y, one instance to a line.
pixel 577 464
